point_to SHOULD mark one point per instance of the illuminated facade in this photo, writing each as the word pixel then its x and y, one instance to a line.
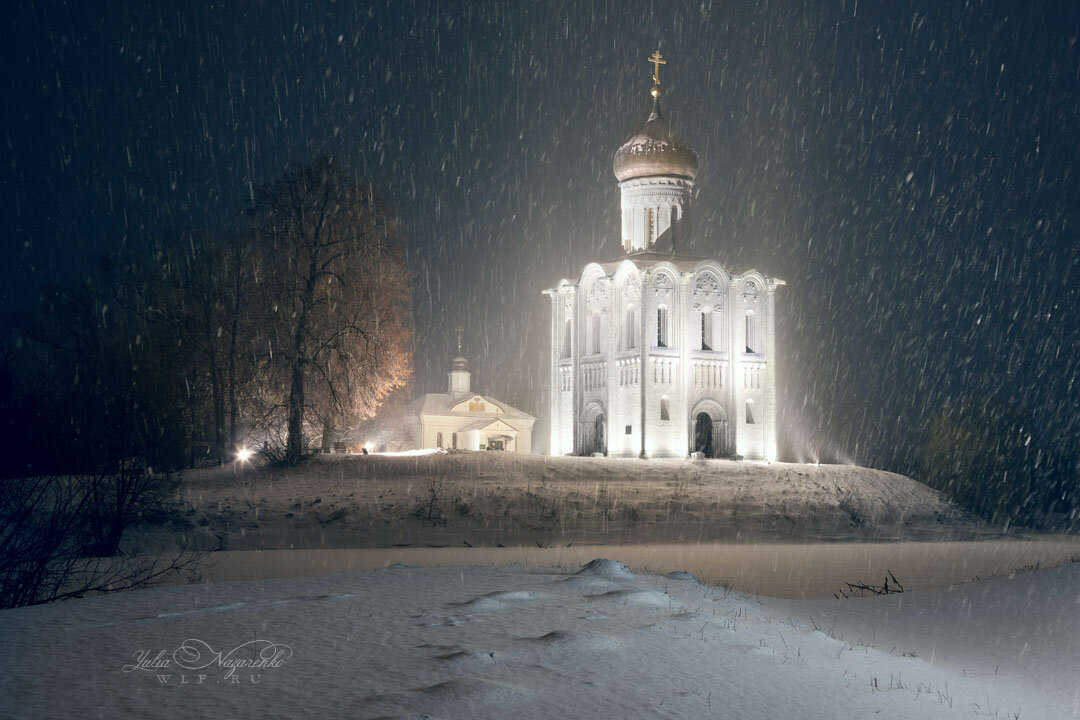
pixel 655 354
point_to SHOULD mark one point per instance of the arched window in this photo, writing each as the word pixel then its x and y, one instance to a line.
pixel 438 440
pixel 751 332
pixel 566 347
pixel 706 330
pixel 453 441
pixel 749 412
pixel 661 326
pixel 630 331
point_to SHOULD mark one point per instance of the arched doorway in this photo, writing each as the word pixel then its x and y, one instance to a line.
pixel 709 432
pixel 593 430
pixel 703 435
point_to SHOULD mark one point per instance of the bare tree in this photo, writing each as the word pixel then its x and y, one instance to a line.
pixel 209 315
pixel 340 329
pixel 60 536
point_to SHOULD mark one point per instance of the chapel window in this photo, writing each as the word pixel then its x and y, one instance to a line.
pixel 664 412
pixel 751 332
pixel 749 412
pixel 661 327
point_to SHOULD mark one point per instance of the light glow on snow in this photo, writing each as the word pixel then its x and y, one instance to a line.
pixel 410 453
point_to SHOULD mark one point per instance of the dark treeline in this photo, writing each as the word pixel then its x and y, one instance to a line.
pixel 998 459
pixel 292 325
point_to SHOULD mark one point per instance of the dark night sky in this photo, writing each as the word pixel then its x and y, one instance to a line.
pixel 910 170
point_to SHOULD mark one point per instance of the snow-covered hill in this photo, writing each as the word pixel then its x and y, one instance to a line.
pixel 510 499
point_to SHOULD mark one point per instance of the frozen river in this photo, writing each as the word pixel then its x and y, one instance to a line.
pixel 794 570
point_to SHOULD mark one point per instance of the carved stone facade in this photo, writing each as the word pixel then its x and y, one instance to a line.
pixel 658 344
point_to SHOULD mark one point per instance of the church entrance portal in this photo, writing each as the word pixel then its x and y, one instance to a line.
pixel 703 435
pixel 593 431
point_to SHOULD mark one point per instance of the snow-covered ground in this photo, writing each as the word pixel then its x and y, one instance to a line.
pixel 510 641
pixel 550 638
pixel 491 498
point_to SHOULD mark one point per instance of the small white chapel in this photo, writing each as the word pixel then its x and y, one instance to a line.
pixel 466 420
pixel 656 353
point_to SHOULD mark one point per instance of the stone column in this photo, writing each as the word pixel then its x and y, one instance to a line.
pixel 643 343
pixel 555 431
pixel 770 375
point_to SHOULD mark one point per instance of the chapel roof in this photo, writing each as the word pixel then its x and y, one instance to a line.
pixel 441 403
pixel 483 424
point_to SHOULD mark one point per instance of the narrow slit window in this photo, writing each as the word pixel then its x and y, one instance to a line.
pixel 661 327
pixel 566 339
pixel 664 412
pixel 749 412
pixel 751 329
pixel 706 330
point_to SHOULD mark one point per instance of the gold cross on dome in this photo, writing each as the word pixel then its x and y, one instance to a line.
pixel 459 331
pixel 657 61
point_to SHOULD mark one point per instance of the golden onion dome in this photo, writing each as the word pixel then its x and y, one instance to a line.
pixel 654 150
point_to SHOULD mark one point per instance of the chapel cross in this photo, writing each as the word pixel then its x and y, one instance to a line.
pixel 656 60
pixel 459 331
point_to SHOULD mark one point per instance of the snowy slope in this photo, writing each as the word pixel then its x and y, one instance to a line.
pixel 493 498
pixel 499 642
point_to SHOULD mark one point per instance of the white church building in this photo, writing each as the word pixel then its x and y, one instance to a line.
pixel 463 419
pixel 656 354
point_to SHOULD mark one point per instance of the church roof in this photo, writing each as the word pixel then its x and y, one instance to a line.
pixel 645 260
pixel 655 150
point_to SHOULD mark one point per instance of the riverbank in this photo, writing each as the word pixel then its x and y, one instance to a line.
pixel 788 570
